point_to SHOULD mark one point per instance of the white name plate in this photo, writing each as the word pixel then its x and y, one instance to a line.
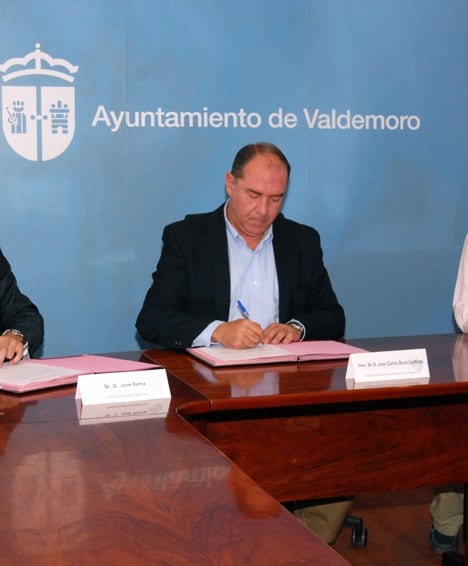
pixel 122 387
pixel 380 369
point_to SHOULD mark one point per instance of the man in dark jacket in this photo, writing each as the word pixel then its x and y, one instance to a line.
pixel 242 274
pixel 21 324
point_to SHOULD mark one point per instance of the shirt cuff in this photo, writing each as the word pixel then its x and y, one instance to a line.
pixel 204 338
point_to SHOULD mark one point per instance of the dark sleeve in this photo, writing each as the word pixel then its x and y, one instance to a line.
pixel 311 298
pixel 324 316
pixel 179 303
pixel 17 310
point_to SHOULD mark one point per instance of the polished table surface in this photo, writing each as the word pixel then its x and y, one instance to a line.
pixel 149 491
pixel 301 433
pixel 201 484
pixel 389 437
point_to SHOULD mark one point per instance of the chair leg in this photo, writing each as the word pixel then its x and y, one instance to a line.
pixel 359 531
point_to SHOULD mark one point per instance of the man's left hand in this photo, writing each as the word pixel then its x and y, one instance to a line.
pixel 11 348
pixel 277 333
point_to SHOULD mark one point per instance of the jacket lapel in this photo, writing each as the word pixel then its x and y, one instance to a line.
pixel 284 258
pixel 214 243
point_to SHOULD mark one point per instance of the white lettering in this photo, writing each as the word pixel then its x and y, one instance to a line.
pixel 392 122
pixel 414 122
pixel 314 119
pixel 280 119
pixel 374 122
pixel 101 116
pixel 349 121
pixel 311 120
pixel 254 120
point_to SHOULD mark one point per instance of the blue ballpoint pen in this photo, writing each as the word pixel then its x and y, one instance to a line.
pixel 242 310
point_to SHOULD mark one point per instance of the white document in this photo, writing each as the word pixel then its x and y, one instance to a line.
pixel 30 375
pixel 381 369
pixel 26 376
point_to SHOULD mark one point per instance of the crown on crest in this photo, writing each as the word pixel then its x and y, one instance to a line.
pixel 38 62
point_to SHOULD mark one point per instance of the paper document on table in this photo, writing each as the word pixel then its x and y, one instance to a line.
pixel 30 375
pixel 91 363
pixel 24 376
pixel 269 353
pixel 233 355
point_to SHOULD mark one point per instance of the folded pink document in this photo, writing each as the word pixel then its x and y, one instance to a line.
pixel 269 353
pixel 29 375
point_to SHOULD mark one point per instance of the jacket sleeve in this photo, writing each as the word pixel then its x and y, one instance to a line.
pixel 306 292
pixel 17 310
pixel 180 302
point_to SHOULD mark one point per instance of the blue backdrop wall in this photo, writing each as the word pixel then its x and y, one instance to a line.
pixel 121 116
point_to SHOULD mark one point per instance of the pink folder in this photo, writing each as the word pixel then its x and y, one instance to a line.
pixel 30 375
pixel 268 353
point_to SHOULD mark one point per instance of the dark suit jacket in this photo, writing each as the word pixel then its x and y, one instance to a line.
pixel 17 311
pixel 191 285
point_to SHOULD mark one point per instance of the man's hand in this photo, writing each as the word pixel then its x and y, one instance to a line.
pixel 277 333
pixel 242 333
pixel 11 348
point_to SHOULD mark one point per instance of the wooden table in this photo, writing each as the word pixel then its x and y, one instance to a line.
pixel 202 484
pixel 300 433
pixel 149 491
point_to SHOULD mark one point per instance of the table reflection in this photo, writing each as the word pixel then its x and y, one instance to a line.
pixel 251 500
pixel 242 381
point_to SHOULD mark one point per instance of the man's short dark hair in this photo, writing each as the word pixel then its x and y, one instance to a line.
pixel 251 150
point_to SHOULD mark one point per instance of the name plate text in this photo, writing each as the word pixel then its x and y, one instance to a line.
pixel 397 367
pixel 123 387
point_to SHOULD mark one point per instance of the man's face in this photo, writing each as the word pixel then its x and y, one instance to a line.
pixel 257 197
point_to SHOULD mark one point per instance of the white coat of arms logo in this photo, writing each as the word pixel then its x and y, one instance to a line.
pixel 38 109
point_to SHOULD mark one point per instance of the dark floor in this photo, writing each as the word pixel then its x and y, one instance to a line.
pixel 398 525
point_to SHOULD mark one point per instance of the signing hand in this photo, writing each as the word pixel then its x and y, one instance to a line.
pixel 242 333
